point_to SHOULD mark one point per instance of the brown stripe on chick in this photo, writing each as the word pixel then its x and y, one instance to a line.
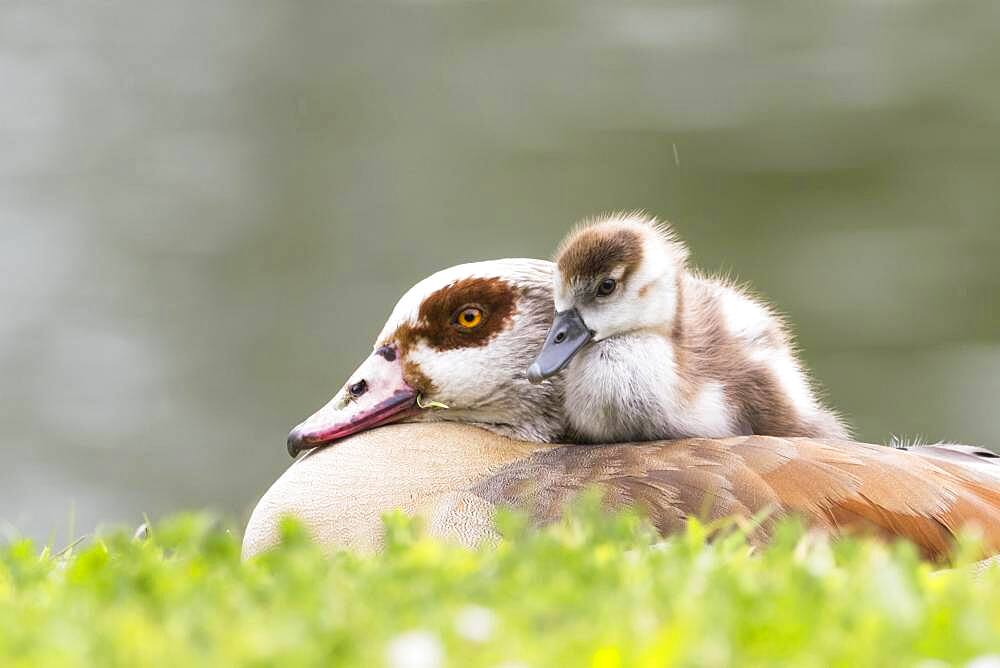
pixel 706 351
pixel 436 324
pixel 596 251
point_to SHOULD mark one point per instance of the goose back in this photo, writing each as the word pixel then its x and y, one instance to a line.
pixel 926 495
pixel 457 475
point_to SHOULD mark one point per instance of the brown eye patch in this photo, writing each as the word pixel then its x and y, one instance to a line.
pixel 465 314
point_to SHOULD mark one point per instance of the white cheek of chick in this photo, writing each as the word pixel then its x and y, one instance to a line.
pixel 624 280
pixel 652 350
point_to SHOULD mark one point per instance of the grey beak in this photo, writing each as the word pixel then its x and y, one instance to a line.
pixel 568 334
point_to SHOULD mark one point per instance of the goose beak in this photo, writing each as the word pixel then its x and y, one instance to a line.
pixel 567 335
pixel 376 394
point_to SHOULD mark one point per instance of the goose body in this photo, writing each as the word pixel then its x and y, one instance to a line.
pixel 456 476
pixel 451 360
pixel 653 350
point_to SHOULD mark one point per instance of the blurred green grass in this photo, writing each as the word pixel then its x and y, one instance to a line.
pixel 594 590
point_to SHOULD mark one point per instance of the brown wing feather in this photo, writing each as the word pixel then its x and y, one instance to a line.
pixel 839 486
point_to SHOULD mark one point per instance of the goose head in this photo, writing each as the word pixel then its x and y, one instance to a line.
pixel 614 275
pixel 453 349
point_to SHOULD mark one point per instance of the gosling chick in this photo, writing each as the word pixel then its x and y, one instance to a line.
pixel 654 350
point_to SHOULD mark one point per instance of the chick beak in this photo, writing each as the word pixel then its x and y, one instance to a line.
pixel 568 334
pixel 376 394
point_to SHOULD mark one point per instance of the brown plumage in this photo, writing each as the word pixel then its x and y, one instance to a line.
pixel 926 495
pixel 593 250
pixel 436 325
pixel 706 351
pixel 457 475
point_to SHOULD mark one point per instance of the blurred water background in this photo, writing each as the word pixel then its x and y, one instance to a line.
pixel 208 209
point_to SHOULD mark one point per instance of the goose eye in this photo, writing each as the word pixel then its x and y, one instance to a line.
pixel 468 317
pixel 606 287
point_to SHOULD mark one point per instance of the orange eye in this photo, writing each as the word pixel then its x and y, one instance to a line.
pixel 469 317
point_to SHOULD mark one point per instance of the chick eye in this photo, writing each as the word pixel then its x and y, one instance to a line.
pixel 606 287
pixel 468 317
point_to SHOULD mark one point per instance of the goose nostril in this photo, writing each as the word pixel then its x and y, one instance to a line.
pixel 358 388
pixel 388 353
pixel 560 337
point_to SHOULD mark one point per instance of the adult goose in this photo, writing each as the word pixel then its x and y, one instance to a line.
pixel 452 360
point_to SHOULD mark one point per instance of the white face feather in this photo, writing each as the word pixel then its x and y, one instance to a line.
pixel 467 377
pixel 487 384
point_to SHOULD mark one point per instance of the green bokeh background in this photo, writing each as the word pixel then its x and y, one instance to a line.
pixel 208 209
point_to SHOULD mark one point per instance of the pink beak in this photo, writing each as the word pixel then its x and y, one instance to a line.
pixel 376 394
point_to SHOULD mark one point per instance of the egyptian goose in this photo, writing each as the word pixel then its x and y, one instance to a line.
pixel 463 337
pixel 653 350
